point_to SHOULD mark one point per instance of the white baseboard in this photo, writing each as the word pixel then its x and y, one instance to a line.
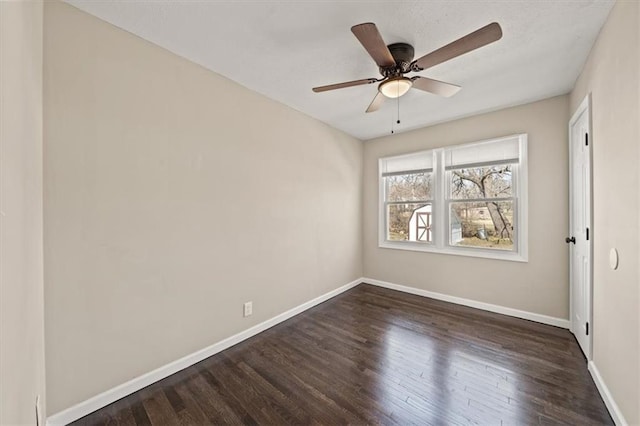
pixel 544 319
pixel 105 398
pixel 613 408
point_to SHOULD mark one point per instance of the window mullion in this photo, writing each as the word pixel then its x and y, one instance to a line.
pixel 439 199
pixel 515 182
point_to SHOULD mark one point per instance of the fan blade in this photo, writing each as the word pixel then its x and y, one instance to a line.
pixel 372 41
pixel 483 36
pixel 434 86
pixel 345 84
pixel 376 103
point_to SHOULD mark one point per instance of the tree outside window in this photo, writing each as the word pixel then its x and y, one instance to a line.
pixel 482 202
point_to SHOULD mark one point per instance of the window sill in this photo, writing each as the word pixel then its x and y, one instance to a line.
pixel 456 251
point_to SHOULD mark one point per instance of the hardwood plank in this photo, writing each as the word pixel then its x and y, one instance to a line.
pixel 377 356
pixel 159 410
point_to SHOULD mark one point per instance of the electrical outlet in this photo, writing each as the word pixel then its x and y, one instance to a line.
pixel 248 309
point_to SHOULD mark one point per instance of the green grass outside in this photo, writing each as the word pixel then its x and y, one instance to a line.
pixel 490 242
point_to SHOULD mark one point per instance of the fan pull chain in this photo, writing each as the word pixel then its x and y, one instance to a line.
pixel 397 116
pixel 398 111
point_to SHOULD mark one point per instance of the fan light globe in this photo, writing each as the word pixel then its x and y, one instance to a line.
pixel 395 87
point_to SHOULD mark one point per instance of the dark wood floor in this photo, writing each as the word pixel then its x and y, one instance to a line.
pixel 378 356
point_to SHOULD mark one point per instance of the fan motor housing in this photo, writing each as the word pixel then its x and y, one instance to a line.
pixel 403 55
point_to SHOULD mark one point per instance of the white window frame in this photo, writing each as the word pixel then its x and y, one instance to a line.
pixel 440 207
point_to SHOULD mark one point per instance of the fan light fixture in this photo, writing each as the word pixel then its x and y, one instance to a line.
pixel 395 87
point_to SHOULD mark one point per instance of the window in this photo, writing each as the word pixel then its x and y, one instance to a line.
pixel 466 200
pixel 407 198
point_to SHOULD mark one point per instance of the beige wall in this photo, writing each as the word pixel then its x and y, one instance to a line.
pixel 612 76
pixel 21 287
pixel 540 285
pixel 172 196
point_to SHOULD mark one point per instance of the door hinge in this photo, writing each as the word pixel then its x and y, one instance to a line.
pixel 587 329
pixel 586 139
pixel 587 234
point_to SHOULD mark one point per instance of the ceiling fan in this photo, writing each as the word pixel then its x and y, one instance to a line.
pixel 396 60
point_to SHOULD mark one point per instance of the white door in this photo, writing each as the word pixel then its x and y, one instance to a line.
pixel 580 232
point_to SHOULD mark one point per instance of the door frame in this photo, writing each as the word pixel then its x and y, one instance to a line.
pixel 585 106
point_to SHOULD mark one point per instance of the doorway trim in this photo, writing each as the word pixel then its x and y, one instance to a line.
pixel 585 106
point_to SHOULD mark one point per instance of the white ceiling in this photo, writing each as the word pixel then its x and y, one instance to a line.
pixel 284 48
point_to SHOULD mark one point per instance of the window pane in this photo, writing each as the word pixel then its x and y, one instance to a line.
pixel 482 182
pixel 482 224
pixel 409 222
pixel 409 187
